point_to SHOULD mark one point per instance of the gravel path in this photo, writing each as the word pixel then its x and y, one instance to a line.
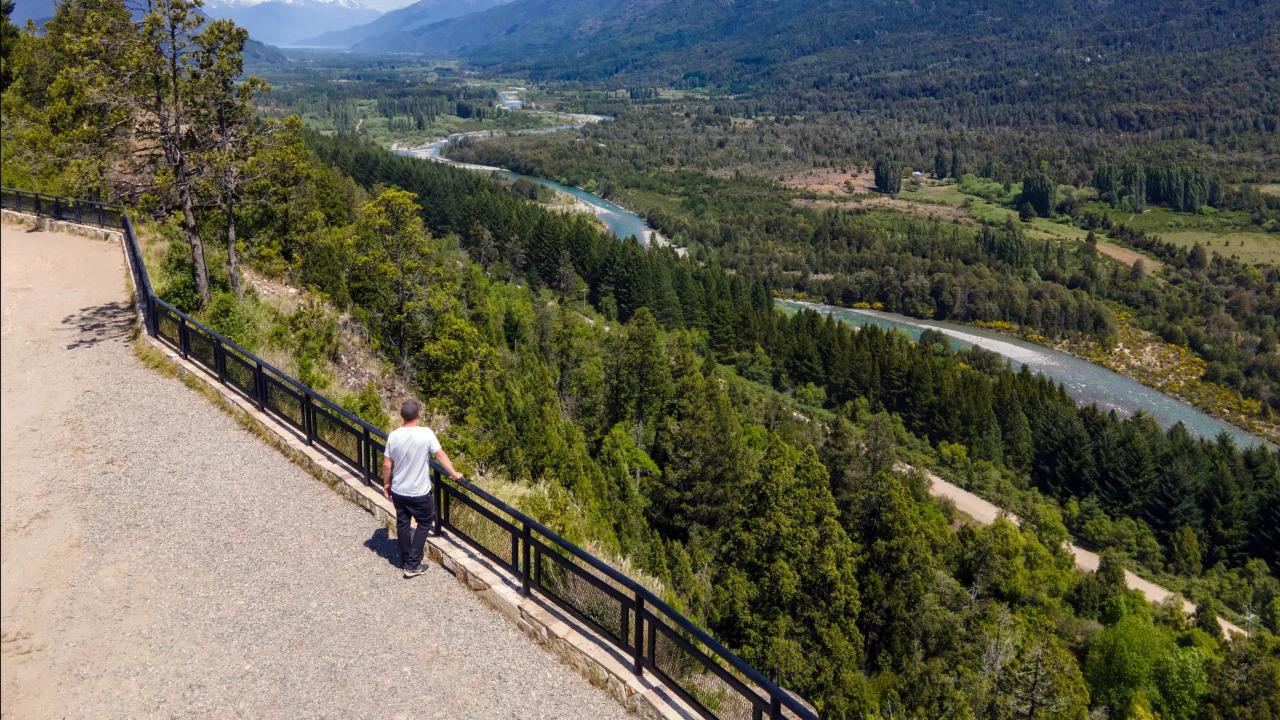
pixel 159 561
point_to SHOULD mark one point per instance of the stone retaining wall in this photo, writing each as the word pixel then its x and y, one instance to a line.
pixel 32 222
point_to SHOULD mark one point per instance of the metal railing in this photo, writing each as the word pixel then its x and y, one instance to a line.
pixel 644 629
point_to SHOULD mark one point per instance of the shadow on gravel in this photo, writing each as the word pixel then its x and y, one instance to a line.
pixel 384 545
pixel 112 321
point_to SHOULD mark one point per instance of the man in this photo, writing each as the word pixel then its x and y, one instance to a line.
pixel 406 481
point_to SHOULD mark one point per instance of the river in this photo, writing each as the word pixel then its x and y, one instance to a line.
pixel 1086 382
pixel 619 220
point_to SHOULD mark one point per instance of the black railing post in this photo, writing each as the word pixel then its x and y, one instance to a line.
pixel 80 213
pixel 184 337
pixel 366 457
pixel 439 491
pixel 525 572
pixel 775 706
pixel 259 385
pixel 38 204
pixel 220 361
pixel 638 654
pixel 308 417
pixel 101 222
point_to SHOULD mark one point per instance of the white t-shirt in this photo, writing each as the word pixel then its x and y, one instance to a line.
pixel 410 450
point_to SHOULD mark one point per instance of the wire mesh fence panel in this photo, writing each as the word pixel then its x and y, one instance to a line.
pixel 285 403
pixel 687 667
pixel 239 372
pixel 202 348
pixel 338 435
pixel 582 590
pixel 375 454
pixel 481 528
pixel 167 327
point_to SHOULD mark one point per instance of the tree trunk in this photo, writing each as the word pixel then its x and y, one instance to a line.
pixel 199 268
pixel 233 258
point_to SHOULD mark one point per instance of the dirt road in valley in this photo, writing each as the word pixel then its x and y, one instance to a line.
pixel 986 513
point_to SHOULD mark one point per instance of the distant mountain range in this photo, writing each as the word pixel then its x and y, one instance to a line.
pixel 285 22
pixel 662 40
pixel 405 21
pixel 519 26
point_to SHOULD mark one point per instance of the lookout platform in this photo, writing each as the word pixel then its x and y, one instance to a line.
pixel 160 560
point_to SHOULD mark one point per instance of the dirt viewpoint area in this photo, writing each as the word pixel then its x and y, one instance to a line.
pixel 160 561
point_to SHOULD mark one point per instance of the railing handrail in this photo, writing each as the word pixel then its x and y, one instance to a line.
pixel 774 696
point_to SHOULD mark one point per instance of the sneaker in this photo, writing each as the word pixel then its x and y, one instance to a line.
pixel 414 570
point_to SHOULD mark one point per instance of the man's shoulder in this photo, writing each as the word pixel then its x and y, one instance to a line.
pixel 417 432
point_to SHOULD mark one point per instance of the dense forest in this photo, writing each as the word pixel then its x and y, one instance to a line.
pixel 658 409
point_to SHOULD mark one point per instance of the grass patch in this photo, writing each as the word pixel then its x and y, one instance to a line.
pixel 1227 233
pixel 1249 247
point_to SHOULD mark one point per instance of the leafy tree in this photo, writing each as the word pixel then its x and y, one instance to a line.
pixel 888 176
pixel 8 38
pixel 1179 679
pixel 1121 660
pixel 1041 193
pixel 787 584
pixel 1184 551
pixel 391 274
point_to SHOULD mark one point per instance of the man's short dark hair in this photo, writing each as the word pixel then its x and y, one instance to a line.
pixel 410 410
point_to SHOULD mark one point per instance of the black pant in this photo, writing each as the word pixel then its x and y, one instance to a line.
pixel 422 509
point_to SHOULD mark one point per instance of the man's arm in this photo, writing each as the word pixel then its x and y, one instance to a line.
pixel 386 476
pixel 447 464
